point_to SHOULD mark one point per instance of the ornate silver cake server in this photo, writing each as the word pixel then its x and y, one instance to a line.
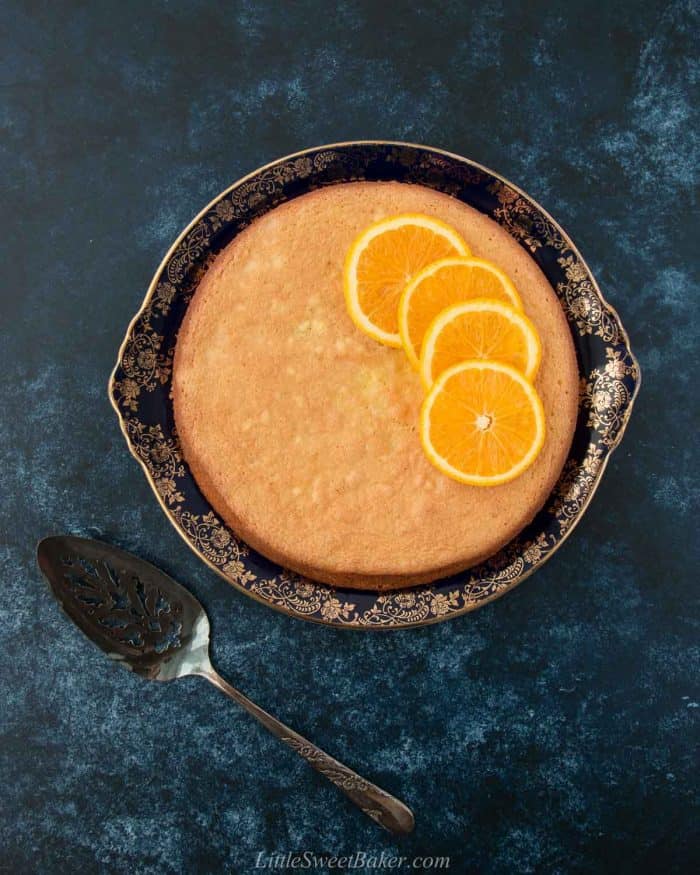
pixel 157 628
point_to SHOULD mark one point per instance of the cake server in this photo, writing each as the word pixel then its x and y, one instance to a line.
pixel 154 626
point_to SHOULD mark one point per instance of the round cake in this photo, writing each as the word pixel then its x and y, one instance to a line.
pixel 302 432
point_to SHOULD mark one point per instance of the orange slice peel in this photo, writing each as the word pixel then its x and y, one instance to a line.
pixel 480 329
pixel 442 284
pixel 482 423
pixel 383 259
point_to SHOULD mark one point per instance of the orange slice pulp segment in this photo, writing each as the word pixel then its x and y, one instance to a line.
pixel 480 329
pixel 383 259
pixel 482 423
pixel 444 283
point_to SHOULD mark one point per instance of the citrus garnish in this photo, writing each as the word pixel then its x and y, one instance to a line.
pixel 482 423
pixel 480 329
pixel 385 257
pixel 442 284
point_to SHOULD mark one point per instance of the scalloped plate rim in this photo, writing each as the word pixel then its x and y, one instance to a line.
pixel 469 607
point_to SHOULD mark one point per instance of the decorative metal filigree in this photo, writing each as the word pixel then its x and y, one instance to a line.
pixel 348 781
pixel 132 612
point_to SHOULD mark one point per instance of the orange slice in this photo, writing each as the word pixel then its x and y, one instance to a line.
pixel 480 329
pixel 482 423
pixel 383 259
pixel 442 284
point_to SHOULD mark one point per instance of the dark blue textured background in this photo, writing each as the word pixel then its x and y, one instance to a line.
pixel 555 730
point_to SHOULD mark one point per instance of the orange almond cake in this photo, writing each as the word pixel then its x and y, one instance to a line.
pixel 302 432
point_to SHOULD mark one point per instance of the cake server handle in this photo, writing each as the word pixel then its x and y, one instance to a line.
pixel 383 808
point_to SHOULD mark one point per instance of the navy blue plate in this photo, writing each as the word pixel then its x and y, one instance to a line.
pixel 140 384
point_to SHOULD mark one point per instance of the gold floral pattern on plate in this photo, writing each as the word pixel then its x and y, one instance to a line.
pixel 140 384
pixel 607 396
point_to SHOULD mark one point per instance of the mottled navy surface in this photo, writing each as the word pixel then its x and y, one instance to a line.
pixel 555 730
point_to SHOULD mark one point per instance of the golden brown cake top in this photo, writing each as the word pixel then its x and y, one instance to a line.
pixel 302 432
